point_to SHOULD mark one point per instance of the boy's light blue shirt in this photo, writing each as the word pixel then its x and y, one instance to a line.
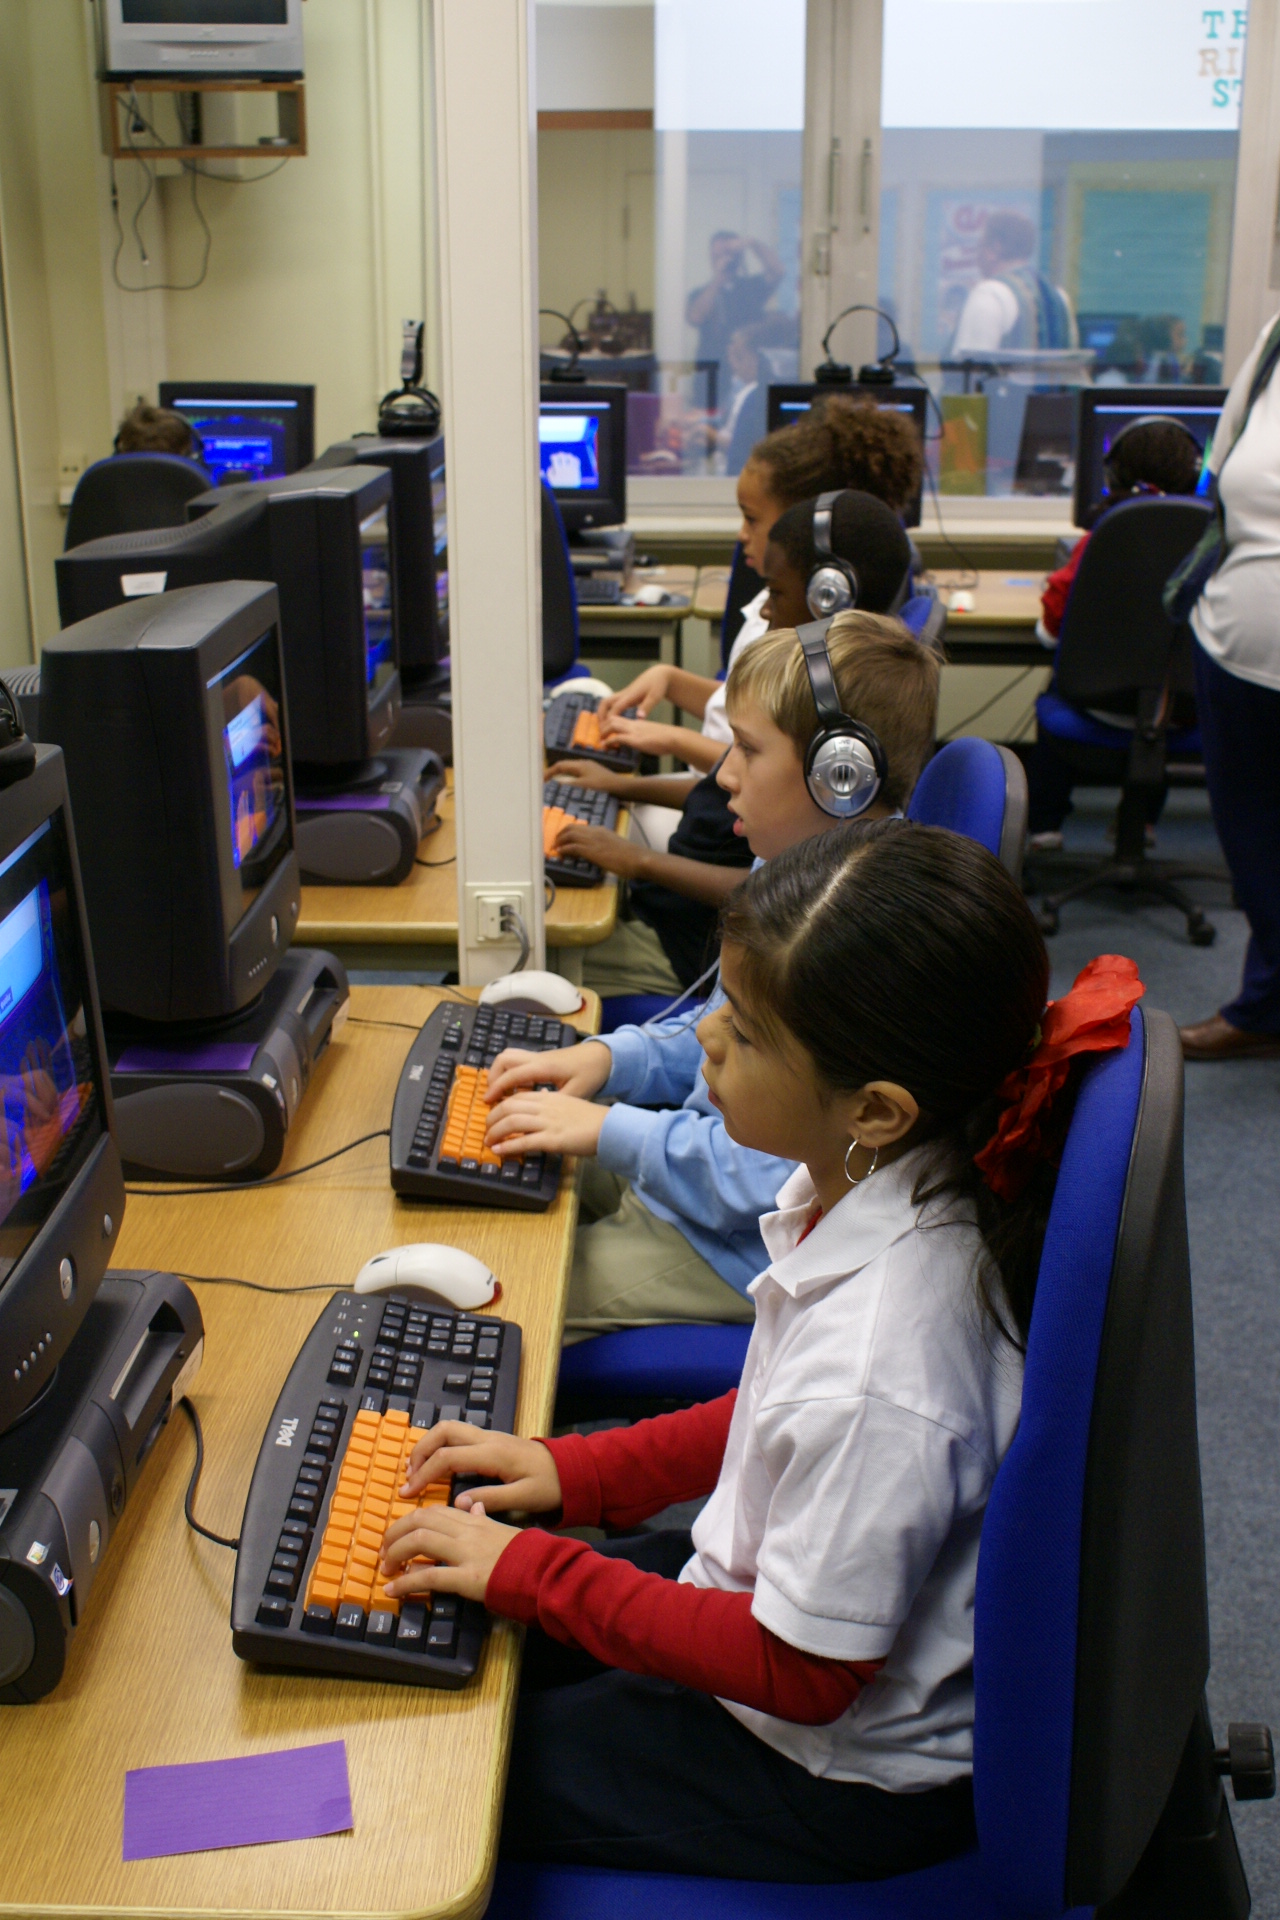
pixel 681 1162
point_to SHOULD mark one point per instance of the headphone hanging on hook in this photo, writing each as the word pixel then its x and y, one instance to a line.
pixel 410 410
pixel 845 766
pixel 832 586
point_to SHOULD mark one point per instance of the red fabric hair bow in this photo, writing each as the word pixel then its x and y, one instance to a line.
pixel 1092 1018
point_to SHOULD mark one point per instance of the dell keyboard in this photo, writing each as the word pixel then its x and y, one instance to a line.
pixel 373 1375
pixel 570 727
pixel 561 803
pixel 440 1114
pixel 598 590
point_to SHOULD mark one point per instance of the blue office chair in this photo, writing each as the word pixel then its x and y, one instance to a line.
pixel 560 660
pixel 131 493
pixel 971 786
pixel 1095 1775
pixel 980 790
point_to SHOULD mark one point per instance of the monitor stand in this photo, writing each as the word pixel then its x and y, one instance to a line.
pixel 214 1101
pixel 426 711
pixel 361 826
pixel 69 1465
pixel 602 550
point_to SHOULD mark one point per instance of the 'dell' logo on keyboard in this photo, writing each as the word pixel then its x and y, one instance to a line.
pixel 287 1430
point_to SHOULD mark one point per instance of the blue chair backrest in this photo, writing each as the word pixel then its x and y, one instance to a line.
pixel 924 614
pixel 1026 1606
pixel 559 594
pixel 131 493
pixel 978 789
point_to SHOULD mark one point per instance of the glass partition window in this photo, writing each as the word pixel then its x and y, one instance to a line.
pixel 669 169
pixel 1057 186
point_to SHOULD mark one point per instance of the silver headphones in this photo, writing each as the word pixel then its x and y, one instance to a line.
pixel 833 585
pixel 844 767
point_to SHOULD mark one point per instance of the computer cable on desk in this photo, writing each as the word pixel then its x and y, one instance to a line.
pixel 448 862
pixel 271 1179
pixel 188 1504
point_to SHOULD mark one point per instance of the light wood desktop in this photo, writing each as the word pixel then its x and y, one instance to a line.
pixel 151 1679
pixel 640 632
pixel 423 910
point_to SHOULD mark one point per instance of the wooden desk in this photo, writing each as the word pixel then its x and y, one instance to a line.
pixel 641 633
pixel 151 1678
pixel 711 593
pixel 998 629
pixel 423 911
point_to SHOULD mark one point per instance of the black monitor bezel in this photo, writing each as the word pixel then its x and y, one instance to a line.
pixel 255 392
pixel 51 1286
pixel 789 392
pixel 1142 399
pixel 607 508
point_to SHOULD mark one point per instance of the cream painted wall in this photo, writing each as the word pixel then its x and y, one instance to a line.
pixel 310 272
pixel 595 218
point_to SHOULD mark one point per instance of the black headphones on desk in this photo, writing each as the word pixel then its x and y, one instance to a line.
pixel 845 766
pixel 832 586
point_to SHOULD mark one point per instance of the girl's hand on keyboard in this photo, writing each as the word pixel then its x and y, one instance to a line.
pixel 527 1469
pixel 585 773
pixel 533 1122
pixel 580 1070
pixel 466 1546
pixel 580 841
pixel 643 694
pixel 646 736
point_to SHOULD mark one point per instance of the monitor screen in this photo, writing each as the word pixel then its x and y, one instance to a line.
pixel 53 1104
pixel 253 754
pixel 1106 411
pixel 440 539
pixel 573 442
pixel 200 13
pixel 379 635
pixel 242 439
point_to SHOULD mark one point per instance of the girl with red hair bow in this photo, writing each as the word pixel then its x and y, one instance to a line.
pixel 787 1693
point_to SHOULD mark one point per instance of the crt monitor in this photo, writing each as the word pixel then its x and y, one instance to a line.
pixel 249 430
pixel 789 403
pixel 189 37
pixel 582 452
pixel 61 1185
pixel 171 713
pixel 1105 411
pixel 420 519
pixel 324 538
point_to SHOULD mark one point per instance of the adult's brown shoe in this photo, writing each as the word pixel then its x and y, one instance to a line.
pixel 1217 1039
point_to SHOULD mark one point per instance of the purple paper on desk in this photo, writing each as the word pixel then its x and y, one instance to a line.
pixel 294 1795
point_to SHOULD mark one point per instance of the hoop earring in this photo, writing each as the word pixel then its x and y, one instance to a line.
pixel 875 1161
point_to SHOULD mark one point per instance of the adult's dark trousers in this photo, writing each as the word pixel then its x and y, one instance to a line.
pixel 1240 731
pixel 612 1769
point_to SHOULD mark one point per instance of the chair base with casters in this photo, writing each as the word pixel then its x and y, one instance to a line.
pixel 1104 756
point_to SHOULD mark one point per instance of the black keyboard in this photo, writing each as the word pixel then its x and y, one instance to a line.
pixel 565 739
pixel 599 590
pixel 373 1374
pixel 584 803
pixel 440 1113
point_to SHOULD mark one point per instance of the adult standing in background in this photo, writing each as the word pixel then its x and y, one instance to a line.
pixel 1236 622
pixel 1012 305
pixel 732 297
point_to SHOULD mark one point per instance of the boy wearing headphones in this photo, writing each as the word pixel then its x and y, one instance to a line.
pixel 1156 454
pixel 825 556
pixel 835 724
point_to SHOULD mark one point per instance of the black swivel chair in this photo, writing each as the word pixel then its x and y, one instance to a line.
pixel 1118 653
pixel 559 599
pixel 131 493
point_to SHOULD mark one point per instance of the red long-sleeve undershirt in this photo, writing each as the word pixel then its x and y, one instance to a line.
pixel 640 1622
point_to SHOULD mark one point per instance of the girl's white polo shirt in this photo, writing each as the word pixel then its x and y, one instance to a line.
pixel 876 1404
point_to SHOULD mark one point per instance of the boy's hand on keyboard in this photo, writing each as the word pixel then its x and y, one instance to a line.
pixel 643 694
pixel 646 736
pixel 526 1468
pixel 579 841
pixel 580 1070
pixel 586 773
pixel 466 1546
pixel 534 1122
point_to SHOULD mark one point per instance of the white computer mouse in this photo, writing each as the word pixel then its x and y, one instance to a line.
pixel 446 1275
pixel 533 992
pixel 651 595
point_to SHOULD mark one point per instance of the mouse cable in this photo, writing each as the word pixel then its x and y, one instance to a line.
pixel 363 1020
pixel 188 1504
pixel 434 863
pixel 251 1186
pixel 255 1286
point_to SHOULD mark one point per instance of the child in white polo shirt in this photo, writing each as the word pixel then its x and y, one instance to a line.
pixel 794 1699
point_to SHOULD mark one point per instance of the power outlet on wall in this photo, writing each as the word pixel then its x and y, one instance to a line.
pixel 70 467
pixel 485 907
